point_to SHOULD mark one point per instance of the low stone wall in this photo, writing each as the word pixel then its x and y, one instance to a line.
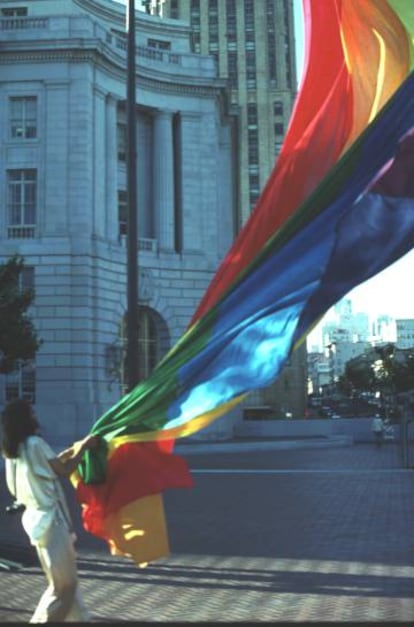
pixel 357 428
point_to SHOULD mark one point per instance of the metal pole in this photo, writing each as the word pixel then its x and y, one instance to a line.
pixel 132 367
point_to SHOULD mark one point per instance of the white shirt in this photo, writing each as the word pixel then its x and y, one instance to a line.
pixel 377 424
pixel 32 481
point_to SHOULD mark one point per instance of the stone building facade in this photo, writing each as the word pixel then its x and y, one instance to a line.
pixel 63 186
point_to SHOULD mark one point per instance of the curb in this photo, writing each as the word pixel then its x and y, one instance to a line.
pixel 260 445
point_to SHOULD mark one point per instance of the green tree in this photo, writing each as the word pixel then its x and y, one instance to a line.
pixel 360 372
pixel 404 369
pixel 384 368
pixel 18 338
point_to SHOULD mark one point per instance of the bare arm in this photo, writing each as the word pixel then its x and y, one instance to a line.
pixel 67 461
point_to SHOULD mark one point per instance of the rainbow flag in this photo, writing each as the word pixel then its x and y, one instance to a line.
pixel 337 209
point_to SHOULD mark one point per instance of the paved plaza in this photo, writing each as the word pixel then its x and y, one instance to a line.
pixel 268 533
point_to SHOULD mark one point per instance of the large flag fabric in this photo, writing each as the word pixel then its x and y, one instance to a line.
pixel 337 209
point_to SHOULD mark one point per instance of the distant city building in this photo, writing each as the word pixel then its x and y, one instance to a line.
pixel 63 182
pixel 254 47
pixel 383 329
pixel 353 327
pixel 320 372
pixel 344 336
pixel 405 333
pixel 345 351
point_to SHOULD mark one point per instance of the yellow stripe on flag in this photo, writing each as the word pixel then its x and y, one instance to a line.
pixel 194 425
pixel 139 530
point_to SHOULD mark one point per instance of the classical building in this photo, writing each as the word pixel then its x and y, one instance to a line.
pixel 405 333
pixel 63 185
pixel 254 47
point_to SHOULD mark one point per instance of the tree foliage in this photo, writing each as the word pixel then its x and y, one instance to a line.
pixel 384 368
pixel 18 338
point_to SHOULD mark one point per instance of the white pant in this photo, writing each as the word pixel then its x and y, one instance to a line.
pixel 62 600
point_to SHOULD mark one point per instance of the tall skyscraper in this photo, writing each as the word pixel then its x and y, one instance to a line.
pixel 254 47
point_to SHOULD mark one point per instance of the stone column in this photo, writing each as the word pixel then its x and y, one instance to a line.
pixel 111 154
pixel 55 164
pixel 99 163
pixel 194 201
pixel 163 181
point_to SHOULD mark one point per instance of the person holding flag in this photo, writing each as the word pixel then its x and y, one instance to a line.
pixel 32 475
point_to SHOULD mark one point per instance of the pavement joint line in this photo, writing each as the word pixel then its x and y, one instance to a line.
pixel 296 471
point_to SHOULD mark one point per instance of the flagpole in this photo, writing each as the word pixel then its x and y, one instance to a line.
pixel 132 322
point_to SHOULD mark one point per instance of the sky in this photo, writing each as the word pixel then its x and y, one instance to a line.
pixel 389 291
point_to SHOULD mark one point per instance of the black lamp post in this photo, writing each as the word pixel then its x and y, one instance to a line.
pixel 132 364
pixel 330 348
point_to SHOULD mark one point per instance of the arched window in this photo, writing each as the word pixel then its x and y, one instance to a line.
pixel 148 344
pixel 153 343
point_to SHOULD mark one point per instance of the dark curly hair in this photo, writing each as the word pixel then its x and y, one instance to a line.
pixel 18 422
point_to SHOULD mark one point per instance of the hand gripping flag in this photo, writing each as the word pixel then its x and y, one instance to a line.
pixel 337 209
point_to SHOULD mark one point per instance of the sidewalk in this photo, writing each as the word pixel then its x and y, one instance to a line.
pixel 189 446
pixel 304 534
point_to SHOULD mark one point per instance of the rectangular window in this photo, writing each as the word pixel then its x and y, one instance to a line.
pixel 178 191
pixel 148 344
pixel 231 23
pixel 251 69
pixel 253 154
pixel 288 59
pixel 251 59
pixel 196 46
pixel 232 68
pixel 254 180
pixel 251 115
pixel 174 10
pixel 195 12
pixel 278 107
pixel 14 12
pixel 121 141
pixel 21 383
pixel 249 15
pixel 21 203
pixel 23 117
pixel 160 44
pixel 120 38
pixel 271 46
pixel 122 212
pixel 253 197
pixel 278 147
pixel 252 135
pixel 279 128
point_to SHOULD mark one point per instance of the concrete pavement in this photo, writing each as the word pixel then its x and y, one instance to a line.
pixel 303 534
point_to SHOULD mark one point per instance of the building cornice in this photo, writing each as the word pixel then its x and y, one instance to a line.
pixel 160 82
pixel 116 13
